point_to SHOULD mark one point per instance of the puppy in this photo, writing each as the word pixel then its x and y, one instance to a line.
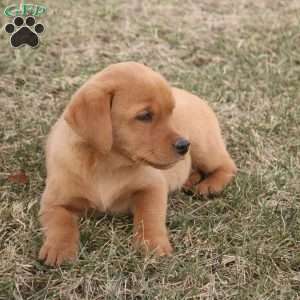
pixel 123 142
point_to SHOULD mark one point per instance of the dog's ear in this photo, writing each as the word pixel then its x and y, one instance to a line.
pixel 89 114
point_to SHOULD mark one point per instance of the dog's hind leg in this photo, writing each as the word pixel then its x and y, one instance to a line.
pixel 208 152
pixel 218 167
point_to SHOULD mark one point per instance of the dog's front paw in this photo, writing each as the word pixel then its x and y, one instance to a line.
pixel 159 245
pixel 54 253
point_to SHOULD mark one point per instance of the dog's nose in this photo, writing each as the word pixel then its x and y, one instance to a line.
pixel 182 146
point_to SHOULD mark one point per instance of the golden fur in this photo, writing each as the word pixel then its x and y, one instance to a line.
pixel 100 155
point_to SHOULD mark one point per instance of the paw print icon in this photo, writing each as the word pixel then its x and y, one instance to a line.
pixel 24 32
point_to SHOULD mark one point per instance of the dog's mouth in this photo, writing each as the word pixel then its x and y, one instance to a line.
pixel 158 165
pixel 161 166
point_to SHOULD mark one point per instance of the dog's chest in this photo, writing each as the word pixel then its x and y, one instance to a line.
pixel 178 174
pixel 109 187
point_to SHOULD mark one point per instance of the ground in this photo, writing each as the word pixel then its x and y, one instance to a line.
pixel 243 57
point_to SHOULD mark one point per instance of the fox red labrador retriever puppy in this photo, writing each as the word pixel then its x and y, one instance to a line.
pixel 124 141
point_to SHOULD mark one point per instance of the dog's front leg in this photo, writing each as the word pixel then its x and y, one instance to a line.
pixel 61 233
pixel 149 209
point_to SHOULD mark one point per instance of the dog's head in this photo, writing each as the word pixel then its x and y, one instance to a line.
pixel 128 108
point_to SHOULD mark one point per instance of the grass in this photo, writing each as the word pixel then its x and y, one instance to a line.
pixel 243 57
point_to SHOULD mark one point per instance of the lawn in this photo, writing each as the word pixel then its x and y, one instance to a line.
pixel 243 57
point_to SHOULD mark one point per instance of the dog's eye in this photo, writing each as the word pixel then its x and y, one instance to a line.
pixel 145 116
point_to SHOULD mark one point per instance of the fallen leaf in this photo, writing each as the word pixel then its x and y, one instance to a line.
pixel 18 177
